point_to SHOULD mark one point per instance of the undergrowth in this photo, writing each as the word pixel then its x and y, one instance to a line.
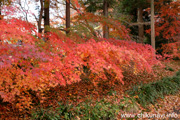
pixel 87 110
pixel 149 93
pixel 169 68
pixel 106 110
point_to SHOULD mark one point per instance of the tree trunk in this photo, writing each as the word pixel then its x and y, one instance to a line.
pixel 152 25
pixel 105 27
pixel 140 26
pixel 46 16
pixel 0 11
pixel 67 16
pixel 40 17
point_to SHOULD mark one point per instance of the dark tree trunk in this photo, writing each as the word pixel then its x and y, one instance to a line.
pixel 46 16
pixel 0 11
pixel 105 27
pixel 67 16
pixel 40 17
pixel 140 26
pixel 0 15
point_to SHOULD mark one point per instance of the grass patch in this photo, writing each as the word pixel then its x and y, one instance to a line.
pixel 149 93
pixel 87 110
pixel 169 68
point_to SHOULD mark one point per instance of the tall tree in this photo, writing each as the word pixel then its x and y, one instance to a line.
pixel 46 15
pixel 67 16
pixel 152 25
pixel 140 26
pixel 39 18
pixel 39 21
pixel 135 8
pixel 0 10
pixel 105 12
pixel 101 5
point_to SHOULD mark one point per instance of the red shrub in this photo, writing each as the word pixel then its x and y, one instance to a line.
pixel 38 66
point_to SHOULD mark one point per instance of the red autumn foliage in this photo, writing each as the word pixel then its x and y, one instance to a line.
pixel 167 26
pixel 171 50
pixel 168 23
pixel 37 66
pixel 167 20
pixel 13 30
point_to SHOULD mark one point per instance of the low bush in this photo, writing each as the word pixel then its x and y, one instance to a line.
pixel 28 70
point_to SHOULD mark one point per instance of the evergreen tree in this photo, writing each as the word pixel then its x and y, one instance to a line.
pixel 100 5
pixel 135 9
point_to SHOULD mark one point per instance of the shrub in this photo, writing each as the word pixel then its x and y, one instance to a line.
pixel 32 68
